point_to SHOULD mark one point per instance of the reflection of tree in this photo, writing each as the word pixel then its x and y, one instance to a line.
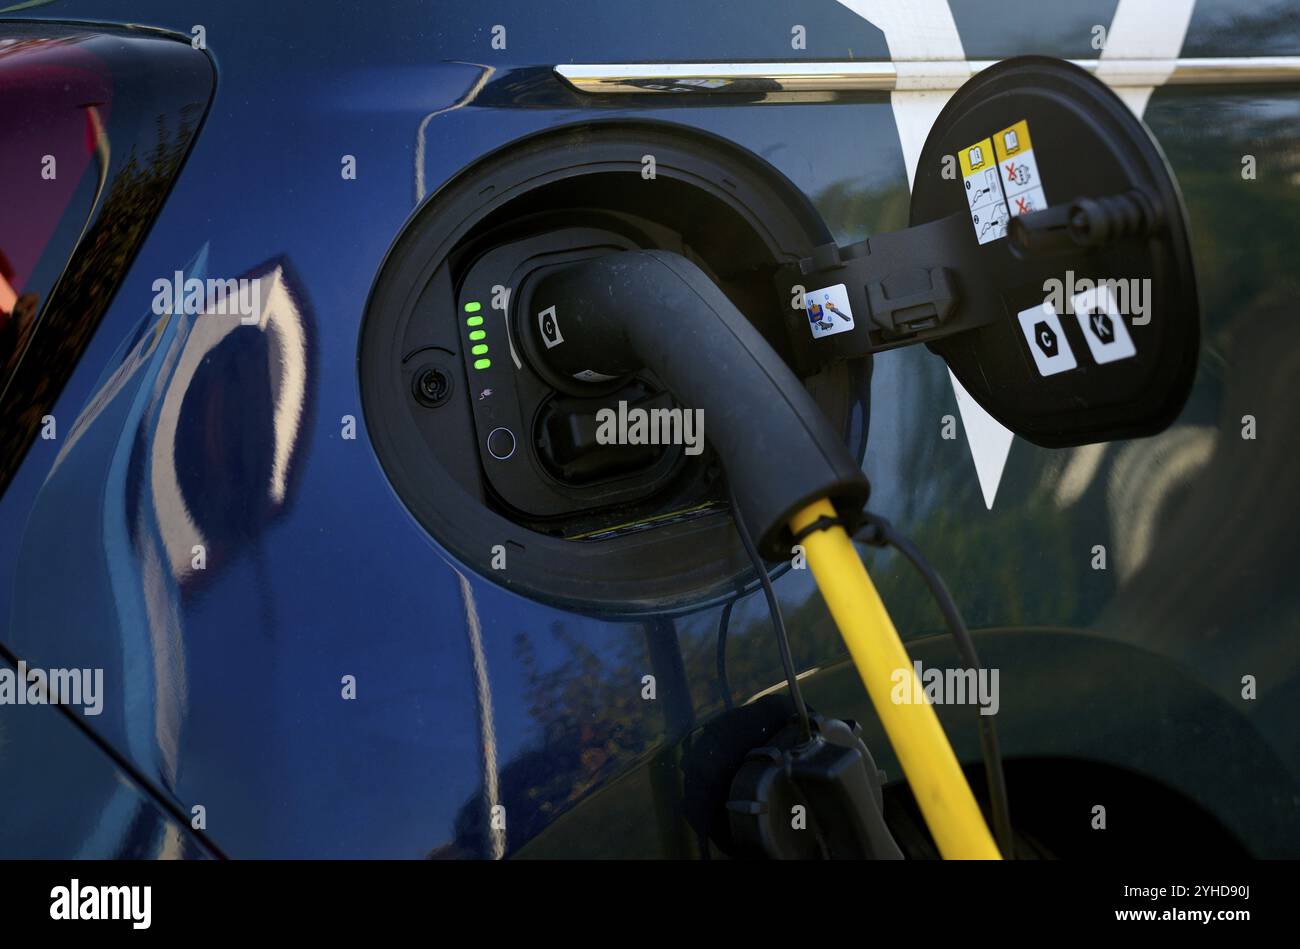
pixel 590 709
pixel 1244 28
pixel 1242 230
pixel 595 725
pixel 135 194
pixel 853 213
pixel 1217 596
pixel 593 722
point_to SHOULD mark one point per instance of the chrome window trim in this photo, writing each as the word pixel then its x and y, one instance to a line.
pixel 879 76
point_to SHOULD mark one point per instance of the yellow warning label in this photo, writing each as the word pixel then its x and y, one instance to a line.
pixel 977 157
pixel 980 177
pixel 1000 176
pixel 1018 170
pixel 1012 141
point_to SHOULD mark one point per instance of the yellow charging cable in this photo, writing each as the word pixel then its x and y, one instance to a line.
pixel 938 784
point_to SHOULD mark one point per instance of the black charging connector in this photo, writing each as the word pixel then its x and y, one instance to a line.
pixel 605 318
pixel 833 776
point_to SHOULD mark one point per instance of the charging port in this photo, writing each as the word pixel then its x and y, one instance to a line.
pixel 511 455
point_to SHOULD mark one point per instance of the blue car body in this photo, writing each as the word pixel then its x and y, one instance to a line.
pixel 225 686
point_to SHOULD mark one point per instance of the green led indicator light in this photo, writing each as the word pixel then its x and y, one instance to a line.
pixel 478 334
pixel 479 350
pixel 474 321
pixel 482 363
pixel 473 306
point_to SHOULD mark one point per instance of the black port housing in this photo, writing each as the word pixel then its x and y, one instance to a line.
pixel 603 532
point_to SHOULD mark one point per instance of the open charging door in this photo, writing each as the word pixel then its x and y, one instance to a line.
pixel 1079 255
pixel 1047 262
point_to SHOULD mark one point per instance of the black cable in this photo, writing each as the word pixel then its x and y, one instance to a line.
pixel 881 532
pixel 723 624
pixel 778 622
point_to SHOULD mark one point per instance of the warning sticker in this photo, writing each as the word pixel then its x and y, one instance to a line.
pixel 1001 180
pixel 1018 171
pixel 981 176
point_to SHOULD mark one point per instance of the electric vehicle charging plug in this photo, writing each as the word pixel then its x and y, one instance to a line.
pixel 834 774
pixel 607 317
pixel 604 318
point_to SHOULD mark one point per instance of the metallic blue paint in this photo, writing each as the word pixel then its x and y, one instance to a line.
pixel 224 685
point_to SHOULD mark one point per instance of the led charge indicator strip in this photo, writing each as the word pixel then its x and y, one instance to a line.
pixel 477 334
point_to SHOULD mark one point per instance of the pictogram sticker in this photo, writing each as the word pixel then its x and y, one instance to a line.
pixel 1001 178
pixel 829 311
pixel 1018 170
pixel 984 195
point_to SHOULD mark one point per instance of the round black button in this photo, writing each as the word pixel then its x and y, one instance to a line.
pixel 501 443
